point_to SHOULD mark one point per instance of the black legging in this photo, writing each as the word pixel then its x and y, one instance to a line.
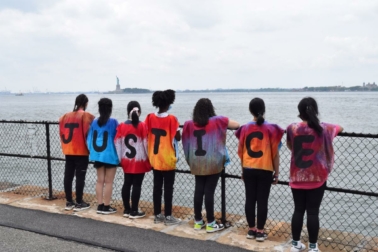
pixel 307 201
pixel 75 165
pixel 257 188
pixel 136 181
pixel 205 185
pixel 168 179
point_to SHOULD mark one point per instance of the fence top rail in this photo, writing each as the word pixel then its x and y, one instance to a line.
pixel 345 134
pixel 29 122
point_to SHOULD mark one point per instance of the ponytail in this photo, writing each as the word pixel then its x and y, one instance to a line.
pixel 308 111
pixel 260 119
pixel 257 109
pixel 105 106
pixel 80 102
pixel 134 111
pixel 134 118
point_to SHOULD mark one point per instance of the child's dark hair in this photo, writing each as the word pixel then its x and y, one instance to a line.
pixel 308 111
pixel 105 106
pixel 202 111
pixel 80 102
pixel 257 109
pixel 162 99
pixel 135 115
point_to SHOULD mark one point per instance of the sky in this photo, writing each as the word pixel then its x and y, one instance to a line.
pixel 82 45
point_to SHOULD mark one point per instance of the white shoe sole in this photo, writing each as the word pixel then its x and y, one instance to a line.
pixel 136 217
pixel 81 209
pixel 68 208
pixel 215 230
pixel 297 249
pixel 107 213
pixel 260 239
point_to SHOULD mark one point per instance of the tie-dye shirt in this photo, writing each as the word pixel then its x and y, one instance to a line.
pixel 162 130
pixel 258 145
pixel 100 142
pixel 73 130
pixel 312 156
pixel 131 145
pixel 204 147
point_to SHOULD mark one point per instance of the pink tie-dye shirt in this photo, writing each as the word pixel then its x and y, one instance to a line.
pixel 312 155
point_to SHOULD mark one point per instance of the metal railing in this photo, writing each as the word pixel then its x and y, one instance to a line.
pixel 31 162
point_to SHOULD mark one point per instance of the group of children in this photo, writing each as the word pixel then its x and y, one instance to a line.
pixel 139 146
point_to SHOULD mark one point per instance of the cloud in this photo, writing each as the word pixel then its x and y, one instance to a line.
pixel 83 44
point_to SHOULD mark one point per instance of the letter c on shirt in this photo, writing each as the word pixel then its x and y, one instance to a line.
pixel 251 153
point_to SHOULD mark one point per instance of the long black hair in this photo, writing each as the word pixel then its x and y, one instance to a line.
pixel 105 106
pixel 202 111
pixel 162 99
pixel 308 111
pixel 135 115
pixel 80 102
pixel 257 109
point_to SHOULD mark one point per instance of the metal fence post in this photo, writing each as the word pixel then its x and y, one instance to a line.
pixel 50 197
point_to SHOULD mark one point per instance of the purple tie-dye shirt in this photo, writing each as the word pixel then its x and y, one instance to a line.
pixel 205 147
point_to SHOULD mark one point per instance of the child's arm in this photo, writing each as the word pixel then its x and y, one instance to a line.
pixel 276 166
pixel 178 135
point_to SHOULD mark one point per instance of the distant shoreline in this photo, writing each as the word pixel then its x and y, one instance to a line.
pixel 219 90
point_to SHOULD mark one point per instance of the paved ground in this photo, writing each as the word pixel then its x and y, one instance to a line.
pixel 31 230
pixel 16 240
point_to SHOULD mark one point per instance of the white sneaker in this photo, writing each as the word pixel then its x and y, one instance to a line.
pixel 313 247
pixel 297 246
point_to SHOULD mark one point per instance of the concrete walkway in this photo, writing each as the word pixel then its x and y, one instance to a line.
pixel 21 214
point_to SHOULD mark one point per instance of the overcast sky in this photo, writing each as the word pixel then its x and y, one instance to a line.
pixel 82 45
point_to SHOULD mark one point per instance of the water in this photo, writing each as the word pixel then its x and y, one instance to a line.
pixel 355 166
pixel 355 111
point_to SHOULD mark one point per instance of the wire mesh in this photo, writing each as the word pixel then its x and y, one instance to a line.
pixel 348 214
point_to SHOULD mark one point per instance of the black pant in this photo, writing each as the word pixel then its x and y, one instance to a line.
pixel 75 166
pixel 134 180
pixel 257 188
pixel 168 179
pixel 205 185
pixel 307 201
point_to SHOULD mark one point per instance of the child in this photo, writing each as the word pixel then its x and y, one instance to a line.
pixel 162 130
pixel 73 129
pixel 131 145
pixel 258 149
pixel 100 142
pixel 204 140
pixel 312 159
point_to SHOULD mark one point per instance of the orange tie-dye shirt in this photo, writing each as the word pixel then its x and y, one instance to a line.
pixel 161 133
pixel 258 145
pixel 73 130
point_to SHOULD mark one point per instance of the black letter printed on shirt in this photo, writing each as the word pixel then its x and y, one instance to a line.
pixel 104 142
pixel 70 126
pixel 251 153
pixel 132 153
pixel 198 134
pixel 299 151
pixel 158 133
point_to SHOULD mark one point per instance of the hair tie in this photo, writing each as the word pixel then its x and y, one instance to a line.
pixel 134 109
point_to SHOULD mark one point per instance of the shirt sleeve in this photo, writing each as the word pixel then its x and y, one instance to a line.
pixel 87 121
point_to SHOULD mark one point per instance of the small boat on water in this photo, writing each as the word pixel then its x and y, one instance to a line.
pixel 19 94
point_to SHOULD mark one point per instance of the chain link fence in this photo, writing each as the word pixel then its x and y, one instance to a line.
pixel 32 163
